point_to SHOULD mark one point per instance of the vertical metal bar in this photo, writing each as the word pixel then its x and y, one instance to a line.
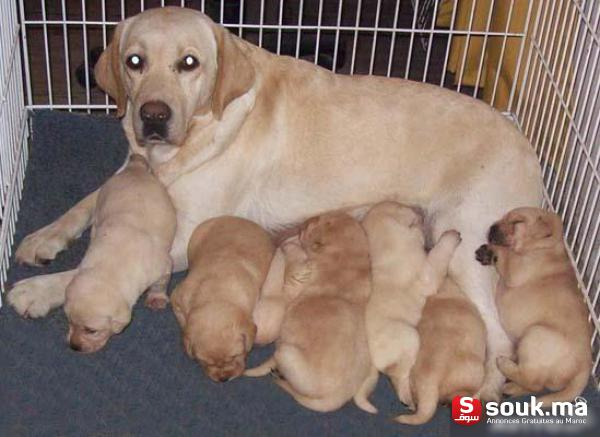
pixel 241 19
pixel 520 57
pixel 448 43
pixel 67 53
pixel 299 34
pixel 104 43
pixel 375 33
pixel 502 50
pixel 393 37
pixel 280 21
pixel 85 56
pixel 47 53
pixel 337 34
pixel 355 43
pixel 467 42
pixel 412 39
pixel 430 43
pixel 483 49
pixel 318 40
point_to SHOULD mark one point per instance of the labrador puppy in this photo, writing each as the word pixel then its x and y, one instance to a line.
pixel 451 357
pixel 229 258
pixel 277 140
pixel 404 275
pixel 322 356
pixel 540 306
pixel 134 226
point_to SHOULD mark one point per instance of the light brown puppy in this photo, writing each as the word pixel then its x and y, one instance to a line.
pixel 451 356
pixel 229 259
pixel 404 274
pixel 322 356
pixel 134 226
pixel 540 306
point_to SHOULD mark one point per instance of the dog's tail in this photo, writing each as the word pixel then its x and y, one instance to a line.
pixel 262 369
pixel 361 398
pixel 427 397
pixel 574 388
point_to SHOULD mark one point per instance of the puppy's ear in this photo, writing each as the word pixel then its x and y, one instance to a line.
pixel 248 335
pixel 547 225
pixel 108 71
pixel 121 318
pixel 235 73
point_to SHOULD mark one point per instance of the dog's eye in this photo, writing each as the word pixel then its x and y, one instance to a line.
pixel 135 62
pixel 188 63
pixel 89 330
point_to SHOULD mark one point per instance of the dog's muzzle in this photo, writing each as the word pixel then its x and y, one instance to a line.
pixel 155 116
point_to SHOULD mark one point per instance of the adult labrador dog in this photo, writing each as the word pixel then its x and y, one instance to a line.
pixel 233 129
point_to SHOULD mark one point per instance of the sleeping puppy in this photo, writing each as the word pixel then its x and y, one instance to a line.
pixel 404 275
pixel 322 356
pixel 451 355
pixel 134 226
pixel 540 306
pixel 229 258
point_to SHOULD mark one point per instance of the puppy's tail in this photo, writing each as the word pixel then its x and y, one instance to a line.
pixel 571 390
pixel 427 397
pixel 361 398
pixel 263 369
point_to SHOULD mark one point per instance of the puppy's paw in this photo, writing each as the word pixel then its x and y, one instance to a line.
pixel 514 389
pixel 451 237
pixel 31 297
pixel 491 389
pixel 485 255
pixel 156 301
pixel 41 247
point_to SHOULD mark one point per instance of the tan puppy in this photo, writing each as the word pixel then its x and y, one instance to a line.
pixel 322 354
pixel 404 274
pixel 229 259
pixel 540 306
pixel 134 226
pixel 451 356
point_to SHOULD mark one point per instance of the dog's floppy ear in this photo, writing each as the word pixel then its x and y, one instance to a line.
pixel 108 71
pixel 235 73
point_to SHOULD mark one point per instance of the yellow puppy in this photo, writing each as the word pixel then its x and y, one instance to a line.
pixel 229 258
pixel 451 356
pixel 322 356
pixel 134 226
pixel 404 274
pixel 540 306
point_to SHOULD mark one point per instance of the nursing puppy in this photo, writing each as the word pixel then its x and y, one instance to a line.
pixel 322 356
pixel 229 258
pixel 404 275
pixel 134 226
pixel 451 356
pixel 540 306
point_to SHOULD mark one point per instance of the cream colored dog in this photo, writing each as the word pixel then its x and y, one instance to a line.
pixel 540 306
pixel 235 130
pixel 322 357
pixel 134 225
pixel 451 358
pixel 229 259
pixel 404 275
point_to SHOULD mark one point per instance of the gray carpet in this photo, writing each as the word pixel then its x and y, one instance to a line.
pixel 142 383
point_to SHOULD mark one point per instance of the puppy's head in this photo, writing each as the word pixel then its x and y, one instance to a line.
pixel 394 215
pixel 167 65
pixel 331 234
pixel 219 335
pixel 94 315
pixel 525 229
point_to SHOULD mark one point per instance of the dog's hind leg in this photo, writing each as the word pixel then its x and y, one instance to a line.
pixel 361 398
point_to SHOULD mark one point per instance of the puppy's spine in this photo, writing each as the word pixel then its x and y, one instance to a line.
pixel 571 390
pixel 427 396
pixel 263 369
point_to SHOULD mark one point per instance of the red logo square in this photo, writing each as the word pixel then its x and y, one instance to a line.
pixel 466 410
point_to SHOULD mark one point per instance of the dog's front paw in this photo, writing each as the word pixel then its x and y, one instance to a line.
pixel 42 246
pixel 485 255
pixel 156 301
pixel 29 298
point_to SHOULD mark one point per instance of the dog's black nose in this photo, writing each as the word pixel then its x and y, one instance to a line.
pixel 75 347
pixel 155 112
pixel 495 235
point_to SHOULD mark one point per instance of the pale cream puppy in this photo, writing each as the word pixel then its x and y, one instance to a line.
pixel 404 275
pixel 322 356
pixel 134 226
pixel 540 306
pixel 229 258
pixel 451 358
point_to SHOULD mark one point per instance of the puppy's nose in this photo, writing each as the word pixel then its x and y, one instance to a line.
pixel 155 112
pixel 224 378
pixel 76 347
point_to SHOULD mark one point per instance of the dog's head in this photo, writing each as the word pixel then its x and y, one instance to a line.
pixel 525 229
pixel 331 234
pixel 392 216
pixel 167 65
pixel 94 315
pixel 219 335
